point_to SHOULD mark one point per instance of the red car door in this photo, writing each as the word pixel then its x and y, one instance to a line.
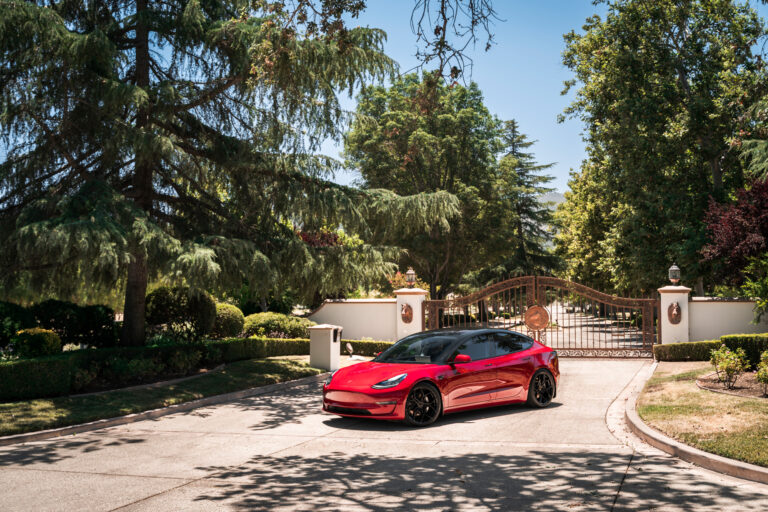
pixel 473 382
pixel 514 365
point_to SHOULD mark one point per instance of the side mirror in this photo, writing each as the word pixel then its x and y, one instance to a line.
pixel 377 354
pixel 462 358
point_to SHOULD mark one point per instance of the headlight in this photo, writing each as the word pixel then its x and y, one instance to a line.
pixel 391 382
pixel 328 380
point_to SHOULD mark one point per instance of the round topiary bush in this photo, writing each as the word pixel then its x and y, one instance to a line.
pixel 277 324
pixel 183 311
pixel 13 318
pixel 229 321
pixel 36 342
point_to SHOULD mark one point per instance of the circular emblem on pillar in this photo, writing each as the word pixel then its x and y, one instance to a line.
pixel 536 318
pixel 674 314
pixel 406 313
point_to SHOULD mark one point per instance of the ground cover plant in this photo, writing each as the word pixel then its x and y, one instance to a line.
pixel 38 414
pixel 727 425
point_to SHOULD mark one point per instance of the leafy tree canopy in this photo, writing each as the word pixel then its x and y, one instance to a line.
pixel 420 135
pixel 660 86
pixel 176 138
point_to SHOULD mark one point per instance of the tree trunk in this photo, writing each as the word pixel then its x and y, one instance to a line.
pixel 134 311
pixel 717 174
pixel 699 287
pixel 135 300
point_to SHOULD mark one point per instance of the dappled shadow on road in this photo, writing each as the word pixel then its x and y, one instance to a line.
pixel 50 452
pixel 436 478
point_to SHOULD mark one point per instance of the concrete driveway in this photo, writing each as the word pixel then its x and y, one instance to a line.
pixel 279 452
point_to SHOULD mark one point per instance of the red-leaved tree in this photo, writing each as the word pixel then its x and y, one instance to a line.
pixel 737 232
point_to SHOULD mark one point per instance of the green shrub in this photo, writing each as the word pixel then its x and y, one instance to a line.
pixel 34 378
pixel 229 321
pixel 89 325
pixel 13 318
pixel 365 347
pixel 729 364
pixel 762 372
pixel 184 361
pixel 36 342
pixel 690 351
pixel 752 344
pixel 276 325
pixel 186 313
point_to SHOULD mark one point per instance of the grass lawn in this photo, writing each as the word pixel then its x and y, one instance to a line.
pixel 40 414
pixel 726 425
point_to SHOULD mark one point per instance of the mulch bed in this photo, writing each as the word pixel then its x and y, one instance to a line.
pixel 746 385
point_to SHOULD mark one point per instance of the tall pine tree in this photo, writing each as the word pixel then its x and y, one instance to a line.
pixel 146 138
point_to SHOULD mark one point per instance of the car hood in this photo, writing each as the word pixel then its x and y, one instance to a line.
pixel 371 372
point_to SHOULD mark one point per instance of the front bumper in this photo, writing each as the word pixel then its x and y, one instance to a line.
pixel 381 404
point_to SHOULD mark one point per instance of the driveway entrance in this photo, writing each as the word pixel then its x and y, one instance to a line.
pixel 279 452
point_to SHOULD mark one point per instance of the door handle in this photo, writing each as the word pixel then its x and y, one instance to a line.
pixel 489 364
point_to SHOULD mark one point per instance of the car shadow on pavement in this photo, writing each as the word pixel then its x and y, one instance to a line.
pixel 435 478
pixel 371 424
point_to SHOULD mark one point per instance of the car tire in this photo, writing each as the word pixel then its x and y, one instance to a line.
pixel 541 390
pixel 423 405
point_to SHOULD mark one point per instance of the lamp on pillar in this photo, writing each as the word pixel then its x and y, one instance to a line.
pixel 674 274
pixel 410 277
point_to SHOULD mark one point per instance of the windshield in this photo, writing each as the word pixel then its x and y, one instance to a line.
pixel 418 348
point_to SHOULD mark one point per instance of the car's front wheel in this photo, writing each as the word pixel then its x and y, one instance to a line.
pixel 542 389
pixel 423 405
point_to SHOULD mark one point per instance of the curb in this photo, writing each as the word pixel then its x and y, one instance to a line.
pixel 687 453
pixel 157 413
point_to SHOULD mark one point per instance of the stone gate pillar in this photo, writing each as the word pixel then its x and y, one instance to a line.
pixel 410 315
pixel 674 317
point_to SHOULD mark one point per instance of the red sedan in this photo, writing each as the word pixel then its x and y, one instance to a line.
pixel 435 372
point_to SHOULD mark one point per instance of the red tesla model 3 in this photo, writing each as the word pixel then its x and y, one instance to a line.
pixel 431 373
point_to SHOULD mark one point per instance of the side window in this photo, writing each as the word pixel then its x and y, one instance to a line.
pixel 509 343
pixel 477 347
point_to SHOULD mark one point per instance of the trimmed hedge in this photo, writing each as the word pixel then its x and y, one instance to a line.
pixel 753 345
pixel 277 325
pixel 229 321
pixel 183 311
pixel 364 347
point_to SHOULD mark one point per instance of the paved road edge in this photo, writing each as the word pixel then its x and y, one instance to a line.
pixel 687 453
pixel 157 413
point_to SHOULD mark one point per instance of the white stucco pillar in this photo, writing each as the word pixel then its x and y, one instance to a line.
pixel 679 332
pixel 414 298
pixel 325 347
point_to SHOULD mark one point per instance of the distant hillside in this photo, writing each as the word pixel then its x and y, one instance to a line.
pixel 552 197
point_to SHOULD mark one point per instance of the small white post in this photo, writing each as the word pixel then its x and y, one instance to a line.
pixel 674 332
pixel 412 298
pixel 325 347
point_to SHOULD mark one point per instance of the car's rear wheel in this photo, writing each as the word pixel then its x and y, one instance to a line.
pixel 542 389
pixel 423 405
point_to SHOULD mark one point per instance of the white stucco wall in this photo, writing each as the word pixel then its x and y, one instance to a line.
pixel 360 318
pixel 711 319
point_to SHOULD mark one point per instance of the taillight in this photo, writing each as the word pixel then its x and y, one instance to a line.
pixel 554 360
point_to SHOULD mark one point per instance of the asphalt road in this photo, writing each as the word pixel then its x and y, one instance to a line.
pixel 280 452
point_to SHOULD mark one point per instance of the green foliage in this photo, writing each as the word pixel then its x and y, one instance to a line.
pixel 229 321
pixel 30 378
pixel 276 325
pixel 729 364
pixel 36 342
pixel 88 325
pixel 13 318
pixel 661 88
pixel 178 141
pixel 762 371
pixel 752 345
pixel 756 285
pixel 185 313
pixel 423 136
pixel 365 347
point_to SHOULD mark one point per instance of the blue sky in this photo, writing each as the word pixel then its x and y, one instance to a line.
pixel 521 76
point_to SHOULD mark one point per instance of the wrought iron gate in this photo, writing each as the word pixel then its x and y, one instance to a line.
pixel 578 322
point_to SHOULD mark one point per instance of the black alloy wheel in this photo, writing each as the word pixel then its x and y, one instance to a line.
pixel 423 405
pixel 542 389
